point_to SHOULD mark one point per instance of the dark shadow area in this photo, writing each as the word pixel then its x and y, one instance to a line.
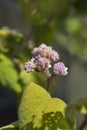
pixel 8 106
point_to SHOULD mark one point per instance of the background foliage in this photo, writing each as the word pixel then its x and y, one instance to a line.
pixel 62 22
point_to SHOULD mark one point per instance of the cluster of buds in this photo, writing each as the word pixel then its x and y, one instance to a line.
pixel 42 60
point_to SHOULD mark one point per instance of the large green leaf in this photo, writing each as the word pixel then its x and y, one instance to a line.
pixel 54 109
pixel 8 74
pixel 13 126
pixel 38 111
pixel 33 97
pixel 49 120
pixel 49 115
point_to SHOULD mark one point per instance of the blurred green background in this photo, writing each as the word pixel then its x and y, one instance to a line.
pixel 25 24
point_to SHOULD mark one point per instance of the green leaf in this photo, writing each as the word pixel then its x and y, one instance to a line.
pixel 26 78
pixel 8 74
pixel 54 108
pixel 81 106
pixel 36 77
pixel 12 126
pixel 39 111
pixel 70 117
pixel 33 97
pixel 49 115
pixel 49 120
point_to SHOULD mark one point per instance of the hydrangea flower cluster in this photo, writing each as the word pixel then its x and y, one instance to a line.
pixel 43 56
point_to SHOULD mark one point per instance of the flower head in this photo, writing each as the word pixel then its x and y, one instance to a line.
pixel 54 55
pixel 30 66
pixel 60 69
pixel 41 63
pixel 46 51
pixel 43 56
pixel 37 64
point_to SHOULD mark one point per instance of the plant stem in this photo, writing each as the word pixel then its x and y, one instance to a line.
pixel 49 82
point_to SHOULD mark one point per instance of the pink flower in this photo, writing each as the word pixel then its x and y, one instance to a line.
pixel 46 51
pixel 60 69
pixel 43 56
pixel 42 63
pixel 37 64
pixel 30 66
pixel 54 56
